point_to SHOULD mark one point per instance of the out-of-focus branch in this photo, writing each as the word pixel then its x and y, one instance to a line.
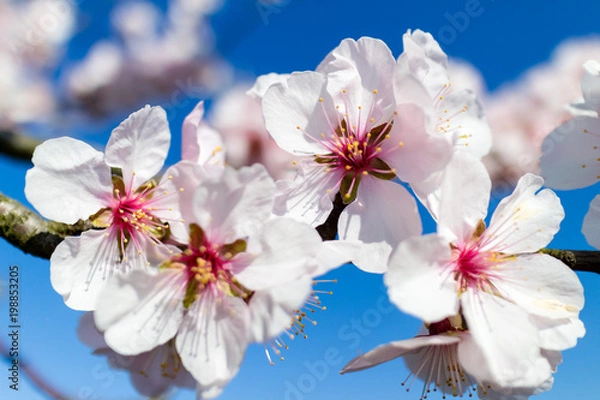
pixel 17 145
pixel 26 230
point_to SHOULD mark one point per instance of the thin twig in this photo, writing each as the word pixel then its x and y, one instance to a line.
pixel 17 145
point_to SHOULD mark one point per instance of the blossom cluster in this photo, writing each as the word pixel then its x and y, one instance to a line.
pixel 182 272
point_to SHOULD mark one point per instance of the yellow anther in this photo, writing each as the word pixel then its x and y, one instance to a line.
pixel 375 91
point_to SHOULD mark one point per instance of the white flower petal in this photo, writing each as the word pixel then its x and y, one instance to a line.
pixel 334 253
pixel 235 204
pixel 199 142
pixel 525 221
pixel 88 334
pixel 271 308
pixel 416 153
pixel 419 281
pixel 570 154
pixel 541 285
pixel 591 223
pixel 295 117
pixel 464 196
pixel 69 180
pixel 139 145
pixel 354 70
pixel 503 346
pixel 425 60
pixel 140 311
pixel 264 82
pixel 590 85
pixel 383 212
pixel 390 351
pixel 558 335
pixel 283 251
pixel 309 197
pixel 212 341
pixel 467 124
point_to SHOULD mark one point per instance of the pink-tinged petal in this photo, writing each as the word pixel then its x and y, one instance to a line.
pixel 383 212
pixel 271 309
pixel 199 142
pixel 176 207
pixel 525 221
pixel 541 285
pixel 354 70
pixel 295 117
pixel 412 151
pixel 390 351
pixel 558 335
pixel 425 60
pixel 212 341
pixel 140 311
pixel 591 223
pixel 590 85
pixel 419 281
pixel 139 145
pixel 264 82
pixel 88 334
pixel 464 196
pixel 69 180
pixel 309 197
pixel 155 372
pixel 235 204
pixel 461 117
pixel 503 346
pixel 570 154
pixel 283 250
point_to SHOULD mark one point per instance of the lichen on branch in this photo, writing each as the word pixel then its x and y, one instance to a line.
pixel 26 230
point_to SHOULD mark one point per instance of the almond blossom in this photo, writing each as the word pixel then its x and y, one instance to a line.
pixel 358 136
pixel 71 181
pixel 571 154
pixel 433 357
pixel 152 373
pixel 456 114
pixel 238 280
pixel 514 301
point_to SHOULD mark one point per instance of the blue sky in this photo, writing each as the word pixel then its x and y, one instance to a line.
pixel 502 38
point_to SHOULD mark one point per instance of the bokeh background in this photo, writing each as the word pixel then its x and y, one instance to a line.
pixel 511 43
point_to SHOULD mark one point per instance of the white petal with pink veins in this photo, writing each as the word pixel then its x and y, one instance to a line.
pixel 503 345
pixel 309 197
pixel 525 221
pixel 295 117
pixel 69 180
pixel 139 311
pixel 419 278
pixel 139 145
pixel 591 223
pixel 212 341
pixel 570 154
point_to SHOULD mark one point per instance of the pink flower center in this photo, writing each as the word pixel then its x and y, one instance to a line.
pixel 474 268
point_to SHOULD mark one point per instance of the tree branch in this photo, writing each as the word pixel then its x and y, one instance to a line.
pixel 17 145
pixel 577 260
pixel 328 229
pixel 26 230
